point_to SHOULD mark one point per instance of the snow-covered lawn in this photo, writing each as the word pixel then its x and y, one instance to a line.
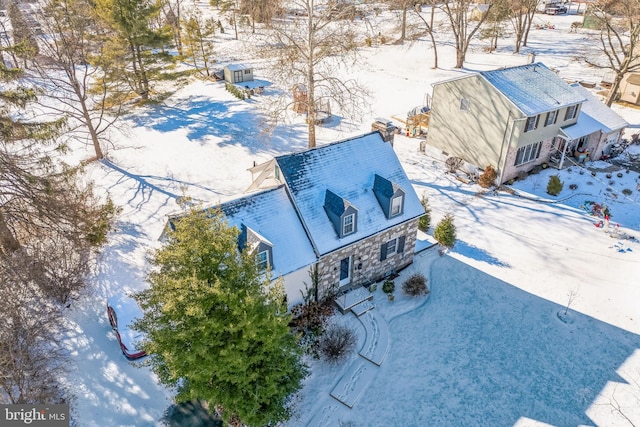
pixel 486 348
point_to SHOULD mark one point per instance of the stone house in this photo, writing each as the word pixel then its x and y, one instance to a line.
pixel 347 208
pixel 516 119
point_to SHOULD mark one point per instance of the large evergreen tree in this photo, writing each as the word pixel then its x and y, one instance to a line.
pixel 138 39
pixel 215 326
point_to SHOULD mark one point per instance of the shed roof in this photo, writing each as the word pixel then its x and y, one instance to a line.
pixel 608 119
pixel 237 67
pixel 271 215
pixel 533 88
pixel 346 168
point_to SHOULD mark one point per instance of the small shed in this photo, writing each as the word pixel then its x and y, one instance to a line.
pixel 238 73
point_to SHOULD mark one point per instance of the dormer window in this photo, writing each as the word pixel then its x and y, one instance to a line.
pixel 396 205
pixel 257 245
pixel 262 260
pixel 348 224
pixel 342 214
pixel 390 196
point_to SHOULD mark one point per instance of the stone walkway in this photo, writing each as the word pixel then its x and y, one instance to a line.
pixel 376 345
pixel 359 375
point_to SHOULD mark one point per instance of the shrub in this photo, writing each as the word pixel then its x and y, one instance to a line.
pixel 554 187
pixel 388 286
pixel 627 192
pixel 619 175
pixel 415 285
pixel 488 177
pixel 445 231
pixel 310 318
pixel 453 163
pixel 573 186
pixel 425 220
pixel 608 175
pixel 337 342
pixel 367 41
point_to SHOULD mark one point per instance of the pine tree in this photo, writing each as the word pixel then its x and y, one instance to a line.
pixel 215 326
pixel 136 37
pixel 198 44
pixel 425 220
pixel 554 187
pixel 445 231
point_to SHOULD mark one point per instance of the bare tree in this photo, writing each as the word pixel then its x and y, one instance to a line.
pixel 309 52
pixel 25 46
pixel 619 37
pixel 403 6
pixel 430 29
pixel 78 89
pixel 522 13
pixel 463 28
pixel 260 11
pixel 31 356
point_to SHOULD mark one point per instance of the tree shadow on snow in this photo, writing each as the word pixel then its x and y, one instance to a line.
pixel 220 122
pixel 476 253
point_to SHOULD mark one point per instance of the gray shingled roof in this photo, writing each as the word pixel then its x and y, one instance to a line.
pixel 348 169
pixel 598 110
pixel 271 214
pixel 533 88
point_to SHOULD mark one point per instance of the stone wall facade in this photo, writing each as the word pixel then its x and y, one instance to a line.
pixel 365 259
pixel 511 171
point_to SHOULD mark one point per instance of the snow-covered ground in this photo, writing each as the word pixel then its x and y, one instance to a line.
pixel 486 348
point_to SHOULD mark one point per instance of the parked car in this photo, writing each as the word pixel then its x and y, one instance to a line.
pixel 122 311
pixel 555 9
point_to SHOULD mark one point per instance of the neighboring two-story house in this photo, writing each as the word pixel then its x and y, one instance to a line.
pixel 513 119
pixel 347 207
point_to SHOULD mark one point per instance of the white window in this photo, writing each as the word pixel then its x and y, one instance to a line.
pixel 551 118
pixel 464 104
pixel 396 205
pixel 532 123
pixel 247 71
pixel 262 260
pixel 528 153
pixel 571 112
pixel 348 226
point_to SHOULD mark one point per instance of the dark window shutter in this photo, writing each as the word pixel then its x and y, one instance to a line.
pixel 383 252
pixel 400 247
pixel 537 120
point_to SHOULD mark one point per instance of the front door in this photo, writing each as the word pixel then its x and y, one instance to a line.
pixel 345 271
pixel 237 76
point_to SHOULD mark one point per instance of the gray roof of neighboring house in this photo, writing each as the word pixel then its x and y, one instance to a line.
pixel 533 88
pixel 346 168
pixel 271 215
pixel 598 111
